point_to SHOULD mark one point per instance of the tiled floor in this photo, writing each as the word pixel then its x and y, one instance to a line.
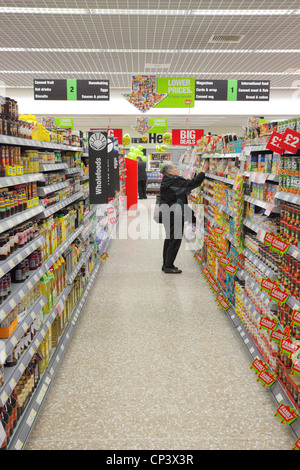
pixel 155 364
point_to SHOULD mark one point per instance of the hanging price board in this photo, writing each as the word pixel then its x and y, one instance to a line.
pixel 290 141
pixel 275 142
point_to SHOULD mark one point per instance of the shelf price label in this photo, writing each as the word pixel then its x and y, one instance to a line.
pixel 278 295
pixel 258 366
pixel 267 324
pixel 223 302
pixel 198 257
pixel 290 141
pixel 266 378
pixel 286 414
pixel 289 347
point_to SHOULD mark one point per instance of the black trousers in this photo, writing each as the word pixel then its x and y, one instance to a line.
pixel 142 185
pixel 172 242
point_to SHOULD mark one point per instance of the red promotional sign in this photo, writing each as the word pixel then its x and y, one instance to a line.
pixel 186 136
pixel 290 141
pixel 118 133
pixel 275 142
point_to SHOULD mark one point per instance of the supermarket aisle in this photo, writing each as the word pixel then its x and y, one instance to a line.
pixel 154 364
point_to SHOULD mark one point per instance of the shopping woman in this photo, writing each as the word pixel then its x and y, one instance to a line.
pixel 174 208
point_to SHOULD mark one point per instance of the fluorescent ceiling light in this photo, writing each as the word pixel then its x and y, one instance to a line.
pixel 187 74
pixel 109 11
pixel 150 51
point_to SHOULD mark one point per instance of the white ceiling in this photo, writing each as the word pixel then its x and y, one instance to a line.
pixel 117 45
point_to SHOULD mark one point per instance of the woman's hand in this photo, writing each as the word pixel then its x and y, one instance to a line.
pixel 205 167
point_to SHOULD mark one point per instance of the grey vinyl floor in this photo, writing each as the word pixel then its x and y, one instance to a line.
pixel 154 363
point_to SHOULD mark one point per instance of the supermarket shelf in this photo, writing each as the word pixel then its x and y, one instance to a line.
pixel 43 167
pixel 21 179
pixel 255 228
pixel 85 177
pixel 218 204
pixel 84 257
pixel 269 207
pixel 256 287
pixel 260 265
pixel 19 218
pixel 277 390
pixel 18 291
pixel 259 177
pixel 26 422
pixel 44 190
pixel 20 254
pixel 13 374
pixel 288 197
pixel 227 234
pixel 89 214
pixel 7 345
pixel 46 212
pixel 251 307
pixel 219 178
pixel 222 155
pixel 72 171
pixel 9 140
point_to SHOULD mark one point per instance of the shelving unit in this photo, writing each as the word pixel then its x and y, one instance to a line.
pixel 258 231
pixel 19 291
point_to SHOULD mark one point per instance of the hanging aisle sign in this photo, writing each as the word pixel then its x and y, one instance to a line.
pixel 71 90
pixel 232 90
pixel 98 167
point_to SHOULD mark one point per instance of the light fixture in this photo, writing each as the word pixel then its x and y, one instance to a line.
pixel 116 11
pixel 150 51
pixel 102 73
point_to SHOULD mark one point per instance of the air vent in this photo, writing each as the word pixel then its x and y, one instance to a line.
pixel 157 66
pixel 225 38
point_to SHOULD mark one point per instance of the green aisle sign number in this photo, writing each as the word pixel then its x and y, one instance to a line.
pixel 72 90
pixel 232 89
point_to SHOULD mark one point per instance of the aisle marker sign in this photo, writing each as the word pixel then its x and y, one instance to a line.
pixel 71 90
pixel 232 90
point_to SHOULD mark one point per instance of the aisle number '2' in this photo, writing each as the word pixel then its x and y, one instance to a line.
pixel 72 90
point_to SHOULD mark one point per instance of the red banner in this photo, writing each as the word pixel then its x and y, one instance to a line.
pixel 186 136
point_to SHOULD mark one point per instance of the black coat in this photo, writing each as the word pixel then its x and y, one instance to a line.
pixel 142 175
pixel 174 190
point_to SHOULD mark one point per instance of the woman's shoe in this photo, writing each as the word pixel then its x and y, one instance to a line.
pixel 173 270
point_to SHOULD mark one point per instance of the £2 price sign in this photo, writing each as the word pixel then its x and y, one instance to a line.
pixel 290 141
pixel 275 142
